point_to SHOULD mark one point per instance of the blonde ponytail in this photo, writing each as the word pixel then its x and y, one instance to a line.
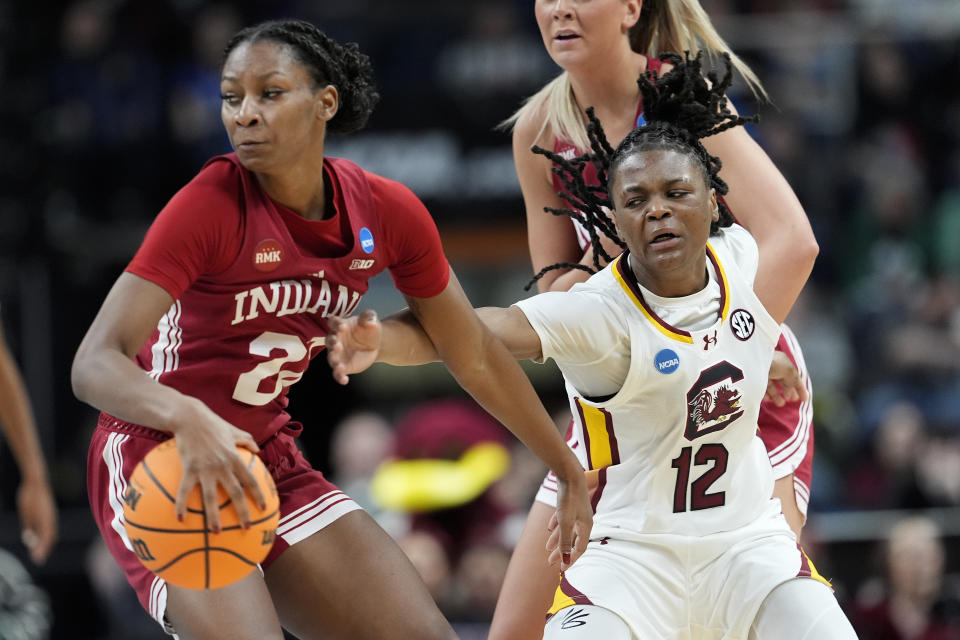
pixel 675 26
pixel 557 108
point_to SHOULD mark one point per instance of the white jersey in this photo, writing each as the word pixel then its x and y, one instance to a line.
pixel 674 449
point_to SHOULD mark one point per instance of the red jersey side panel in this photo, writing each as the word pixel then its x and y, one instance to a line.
pixel 787 431
pixel 253 312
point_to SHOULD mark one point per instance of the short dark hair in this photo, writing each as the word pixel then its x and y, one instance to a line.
pixel 330 63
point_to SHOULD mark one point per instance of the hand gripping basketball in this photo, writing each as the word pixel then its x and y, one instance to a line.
pixel 187 553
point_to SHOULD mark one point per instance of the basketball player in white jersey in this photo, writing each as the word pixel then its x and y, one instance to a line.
pixel 665 355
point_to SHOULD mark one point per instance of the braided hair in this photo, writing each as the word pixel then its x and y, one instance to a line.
pixel 680 108
pixel 330 63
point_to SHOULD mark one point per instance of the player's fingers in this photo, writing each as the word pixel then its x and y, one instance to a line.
pixel 46 537
pixel 234 489
pixel 795 390
pixel 369 316
pixel 554 521
pixel 565 545
pixel 35 545
pixel 339 370
pixel 187 483
pixel 773 394
pixel 208 491
pixel 553 558
pixel 333 324
pixel 553 540
pixel 246 441
pixel 249 481
pixel 332 343
pixel 790 394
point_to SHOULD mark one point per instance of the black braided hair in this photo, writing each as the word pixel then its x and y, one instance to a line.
pixel 680 108
pixel 330 63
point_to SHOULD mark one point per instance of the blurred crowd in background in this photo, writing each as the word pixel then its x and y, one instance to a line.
pixel 110 106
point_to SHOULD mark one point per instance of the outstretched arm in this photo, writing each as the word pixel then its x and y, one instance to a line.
pixel 35 504
pixel 355 343
pixel 486 369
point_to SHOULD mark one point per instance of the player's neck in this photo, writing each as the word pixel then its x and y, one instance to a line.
pixel 672 282
pixel 301 189
pixel 610 88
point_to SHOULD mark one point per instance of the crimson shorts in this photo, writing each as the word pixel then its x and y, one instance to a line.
pixel 787 434
pixel 308 501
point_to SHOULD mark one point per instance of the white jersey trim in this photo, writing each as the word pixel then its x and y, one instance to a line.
pixel 166 350
pixel 313 517
pixel 788 455
pixel 802 492
pixel 113 458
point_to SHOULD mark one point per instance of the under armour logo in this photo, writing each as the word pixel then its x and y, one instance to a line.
pixel 574 618
pixel 709 341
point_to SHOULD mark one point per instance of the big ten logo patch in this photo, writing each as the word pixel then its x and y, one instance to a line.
pixel 359 263
pixel 268 255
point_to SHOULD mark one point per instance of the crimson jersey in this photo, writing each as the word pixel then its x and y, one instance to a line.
pixel 254 282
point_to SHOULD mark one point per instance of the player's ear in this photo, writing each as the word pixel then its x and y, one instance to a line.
pixel 632 13
pixel 328 102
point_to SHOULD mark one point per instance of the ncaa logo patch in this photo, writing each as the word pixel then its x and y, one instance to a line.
pixel 267 255
pixel 366 240
pixel 742 324
pixel 666 361
pixel 641 121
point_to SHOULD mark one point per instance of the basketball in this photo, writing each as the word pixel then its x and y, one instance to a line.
pixel 187 553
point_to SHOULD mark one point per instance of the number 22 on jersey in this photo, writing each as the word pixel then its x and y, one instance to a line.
pixel 293 350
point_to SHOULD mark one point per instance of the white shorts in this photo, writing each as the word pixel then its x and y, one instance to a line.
pixel 685 587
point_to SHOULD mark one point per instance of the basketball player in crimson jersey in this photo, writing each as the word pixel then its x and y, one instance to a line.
pixel 220 312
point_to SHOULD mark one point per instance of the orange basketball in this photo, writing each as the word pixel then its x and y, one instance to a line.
pixel 188 554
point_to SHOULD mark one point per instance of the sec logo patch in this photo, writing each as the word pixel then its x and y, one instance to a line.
pixel 742 324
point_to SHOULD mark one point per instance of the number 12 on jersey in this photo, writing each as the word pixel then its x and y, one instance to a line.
pixel 713 454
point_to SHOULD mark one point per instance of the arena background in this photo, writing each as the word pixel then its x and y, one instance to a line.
pixel 109 107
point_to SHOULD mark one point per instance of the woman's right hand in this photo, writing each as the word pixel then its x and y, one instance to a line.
pixel 208 453
pixel 784 383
